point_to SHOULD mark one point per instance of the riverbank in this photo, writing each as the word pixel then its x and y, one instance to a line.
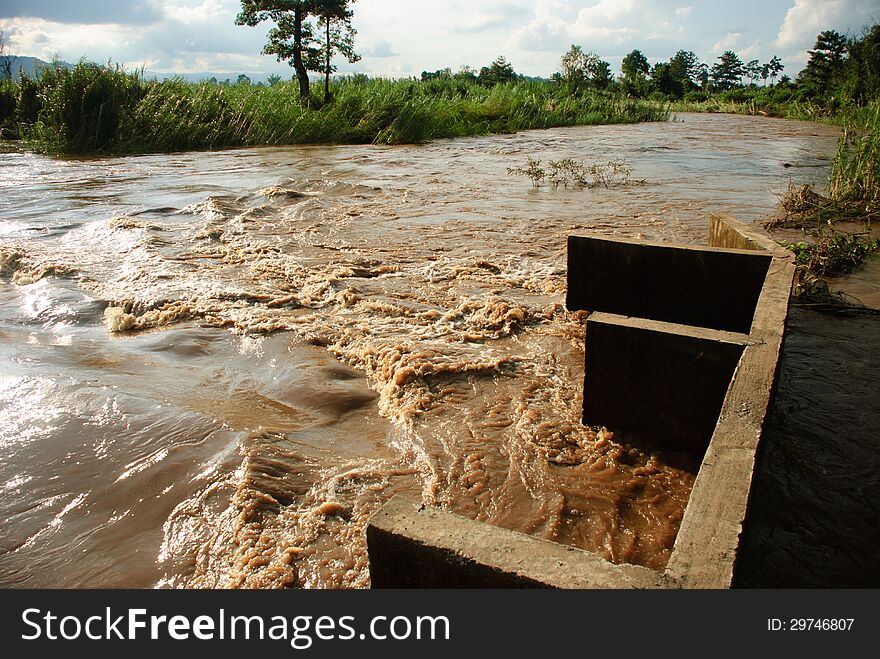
pixel 98 109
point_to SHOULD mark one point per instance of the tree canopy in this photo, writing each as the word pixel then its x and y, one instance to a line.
pixel 296 39
pixel 727 73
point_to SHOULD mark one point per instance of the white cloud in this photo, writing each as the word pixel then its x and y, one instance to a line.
pixel 751 52
pixel 729 42
pixel 607 27
pixel 380 49
pixel 189 36
pixel 806 18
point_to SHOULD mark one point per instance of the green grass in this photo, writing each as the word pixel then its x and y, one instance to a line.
pixel 102 109
pixel 853 196
pixel 832 253
pixel 853 186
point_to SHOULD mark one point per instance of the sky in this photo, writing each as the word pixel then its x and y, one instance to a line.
pixel 399 38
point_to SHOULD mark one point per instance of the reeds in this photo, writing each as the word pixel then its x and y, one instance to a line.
pixel 855 174
pixel 103 109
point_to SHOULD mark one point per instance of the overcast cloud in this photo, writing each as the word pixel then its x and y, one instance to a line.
pixel 400 38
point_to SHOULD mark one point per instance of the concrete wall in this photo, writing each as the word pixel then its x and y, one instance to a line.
pixel 414 546
pixel 698 286
pixel 659 382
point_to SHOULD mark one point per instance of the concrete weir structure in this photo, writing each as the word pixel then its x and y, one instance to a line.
pixel 684 341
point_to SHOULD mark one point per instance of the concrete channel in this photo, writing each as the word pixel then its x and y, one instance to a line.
pixel 685 343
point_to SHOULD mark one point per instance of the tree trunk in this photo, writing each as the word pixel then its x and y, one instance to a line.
pixel 302 75
pixel 327 98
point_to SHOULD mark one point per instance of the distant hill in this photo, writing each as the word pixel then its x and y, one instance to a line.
pixel 29 65
pixel 208 75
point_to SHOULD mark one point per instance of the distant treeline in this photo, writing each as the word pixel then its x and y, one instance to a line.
pixel 91 108
pixel 842 72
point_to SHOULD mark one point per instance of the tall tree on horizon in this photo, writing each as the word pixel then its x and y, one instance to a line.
pixel 635 69
pixel 6 59
pixel 727 73
pixel 334 21
pixel 497 72
pixel 580 69
pixel 826 60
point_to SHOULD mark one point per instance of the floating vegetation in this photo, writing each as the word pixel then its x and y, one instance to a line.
pixel 832 252
pixel 570 173
pixel 804 208
pixel 811 290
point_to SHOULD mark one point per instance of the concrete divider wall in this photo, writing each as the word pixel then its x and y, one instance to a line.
pixel 709 368
pixel 660 382
pixel 688 285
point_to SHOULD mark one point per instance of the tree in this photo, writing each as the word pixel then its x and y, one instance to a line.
pixel 727 73
pixel 663 81
pixel 752 70
pixel 677 76
pixel 438 74
pixel 580 69
pixel 334 21
pixel 242 79
pixel 825 61
pixel 6 60
pixel 574 65
pixel 466 73
pixel 600 73
pixel 685 67
pixel 293 37
pixel 703 75
pixel 635 64
pixel 862 72
pixel 774 68
pixel 498 72
pixel 635 69
pixel 273 80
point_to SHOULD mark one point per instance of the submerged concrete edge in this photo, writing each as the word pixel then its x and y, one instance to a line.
pixel 425 547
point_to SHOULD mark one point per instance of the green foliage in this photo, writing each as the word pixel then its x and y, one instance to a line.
pixel 296 39
pixel 825 61
pixel 635 69
pixel 81 108
pixel 570 173
pixel 832 252
pixel 860 79
pixel 582 70
pixel 855 174
pixel 498 72
pixel 93 108
pixel 728 71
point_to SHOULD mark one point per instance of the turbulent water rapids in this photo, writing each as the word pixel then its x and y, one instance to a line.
pixel 215 366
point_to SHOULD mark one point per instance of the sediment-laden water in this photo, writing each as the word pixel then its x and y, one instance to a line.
pixel 215 366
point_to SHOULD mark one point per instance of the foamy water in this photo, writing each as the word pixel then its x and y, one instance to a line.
pixel 215 366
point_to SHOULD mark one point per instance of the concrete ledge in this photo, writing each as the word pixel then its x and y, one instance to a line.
pixel 708 538
pixel 726 232
pixel 413 546
pixel 699 286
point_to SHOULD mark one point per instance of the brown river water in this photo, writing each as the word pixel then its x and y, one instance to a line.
pixel 215 366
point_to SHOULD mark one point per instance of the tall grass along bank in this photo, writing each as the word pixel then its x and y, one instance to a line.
pixel 101 109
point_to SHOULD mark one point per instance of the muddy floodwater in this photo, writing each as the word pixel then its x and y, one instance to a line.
pixel 215 366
